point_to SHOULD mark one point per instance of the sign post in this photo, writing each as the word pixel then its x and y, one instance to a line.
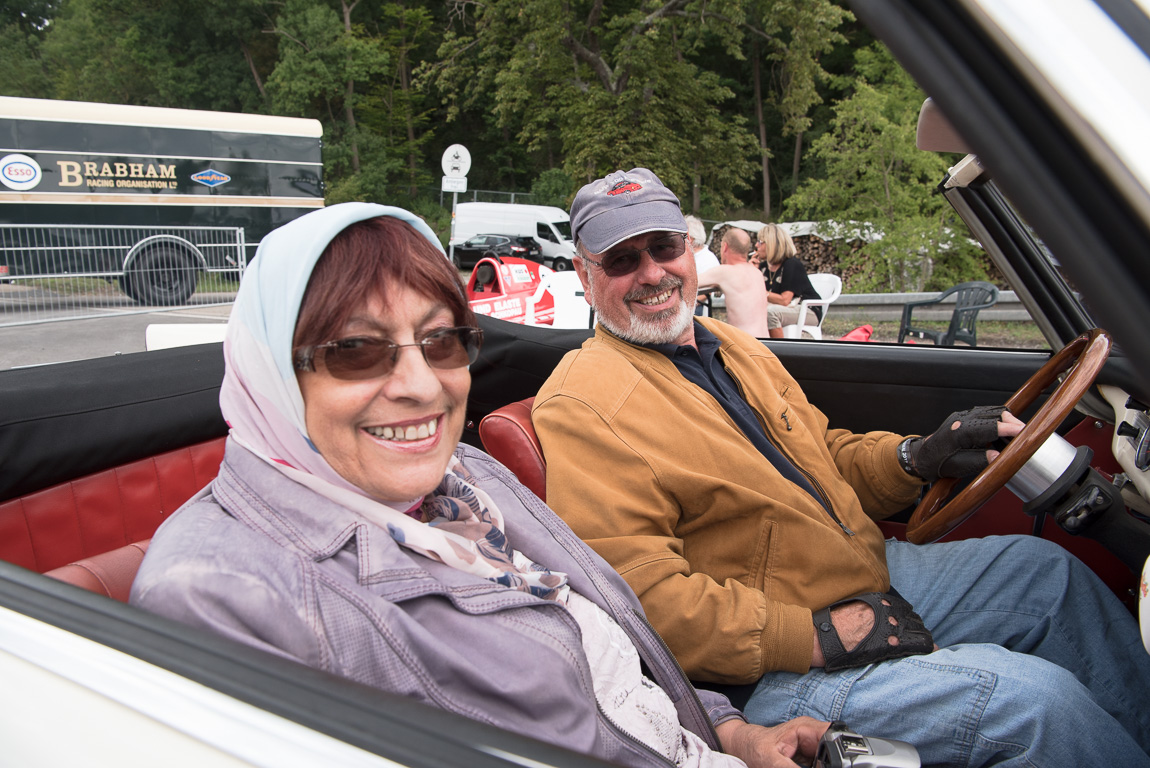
pixel 456 163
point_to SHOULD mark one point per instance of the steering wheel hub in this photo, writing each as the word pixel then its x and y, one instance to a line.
pixel 1043 470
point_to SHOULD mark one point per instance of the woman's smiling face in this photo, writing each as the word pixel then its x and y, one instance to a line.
pixel 390 436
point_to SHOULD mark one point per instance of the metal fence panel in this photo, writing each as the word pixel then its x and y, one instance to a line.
pixel 63 272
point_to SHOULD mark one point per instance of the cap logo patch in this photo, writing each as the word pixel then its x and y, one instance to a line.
pixel 624 186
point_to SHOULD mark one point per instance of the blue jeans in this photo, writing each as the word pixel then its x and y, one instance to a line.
pixel 1040 665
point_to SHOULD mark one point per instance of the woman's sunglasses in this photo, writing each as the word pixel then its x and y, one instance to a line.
pixel 619 262
pixel 363 357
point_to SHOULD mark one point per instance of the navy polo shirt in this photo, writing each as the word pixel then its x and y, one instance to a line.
pixel 704 368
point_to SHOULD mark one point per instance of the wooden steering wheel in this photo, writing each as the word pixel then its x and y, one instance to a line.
pixel 1084 358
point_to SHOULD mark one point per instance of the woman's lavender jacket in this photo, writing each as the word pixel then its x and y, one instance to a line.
pixel 265 561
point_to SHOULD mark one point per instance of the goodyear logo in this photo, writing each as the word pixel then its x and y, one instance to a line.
pixel 211 178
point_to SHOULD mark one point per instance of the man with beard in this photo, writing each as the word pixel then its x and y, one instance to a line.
pixel 684 453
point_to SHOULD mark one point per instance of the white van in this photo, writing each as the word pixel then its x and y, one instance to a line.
pixel 550 226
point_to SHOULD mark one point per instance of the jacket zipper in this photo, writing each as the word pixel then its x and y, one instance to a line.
pixel 690 687
pixel 830 508
pixel 718 745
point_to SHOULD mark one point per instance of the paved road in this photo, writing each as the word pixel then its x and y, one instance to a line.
pixel 60 341
pixel 110 332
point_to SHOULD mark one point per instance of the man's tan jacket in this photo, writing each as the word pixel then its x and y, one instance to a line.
pixel 728 557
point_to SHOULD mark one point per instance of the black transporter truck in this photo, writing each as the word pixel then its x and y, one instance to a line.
pixel 151 198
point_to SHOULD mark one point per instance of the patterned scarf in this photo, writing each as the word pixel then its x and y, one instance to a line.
pixel 261 402
pixel 468 516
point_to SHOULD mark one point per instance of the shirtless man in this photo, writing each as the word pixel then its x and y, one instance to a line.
pixel 741 283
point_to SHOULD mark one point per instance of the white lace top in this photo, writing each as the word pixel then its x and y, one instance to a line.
pixel 634 703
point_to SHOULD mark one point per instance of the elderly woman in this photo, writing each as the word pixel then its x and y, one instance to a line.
pixel 786 277
pixel 350 531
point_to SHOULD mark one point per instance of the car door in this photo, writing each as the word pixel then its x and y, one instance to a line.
pixel 471 251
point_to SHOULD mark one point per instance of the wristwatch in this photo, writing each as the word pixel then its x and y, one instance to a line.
pixel 904 461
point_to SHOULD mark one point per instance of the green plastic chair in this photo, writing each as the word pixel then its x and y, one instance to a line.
pixel 970 298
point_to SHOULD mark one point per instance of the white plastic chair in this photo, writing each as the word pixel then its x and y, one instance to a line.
pixel 167 335
pixel 571 309
pixel 829 287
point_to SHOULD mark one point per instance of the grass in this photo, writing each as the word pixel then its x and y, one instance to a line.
pixel 207 282
pixel 217 282
pixel 72 286
pixel 991 333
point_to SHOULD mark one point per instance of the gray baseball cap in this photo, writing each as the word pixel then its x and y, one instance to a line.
pixel 621 205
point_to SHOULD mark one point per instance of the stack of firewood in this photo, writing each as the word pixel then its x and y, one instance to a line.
pixel 820 255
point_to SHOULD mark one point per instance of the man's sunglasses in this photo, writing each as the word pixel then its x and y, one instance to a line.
pixel 618 262
pixel 363 357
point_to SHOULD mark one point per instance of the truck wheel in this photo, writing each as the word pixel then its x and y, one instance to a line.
pixel 125 283
pixel 162 276
pixel 562 265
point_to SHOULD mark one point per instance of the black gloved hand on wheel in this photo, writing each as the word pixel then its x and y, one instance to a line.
pixel 958 447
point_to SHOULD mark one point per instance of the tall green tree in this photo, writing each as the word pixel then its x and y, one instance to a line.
pixel 879 185
pixel 23 24
pixel 397 108
pixel 171 53
pixel 546 93
pixel 612 88
pixel 794 35
pixel 325 61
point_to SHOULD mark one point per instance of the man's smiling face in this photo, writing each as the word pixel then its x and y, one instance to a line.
pixel 649 305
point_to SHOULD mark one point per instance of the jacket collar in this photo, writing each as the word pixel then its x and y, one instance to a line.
pixel 644 358
pixel 706 325
pixel 262 497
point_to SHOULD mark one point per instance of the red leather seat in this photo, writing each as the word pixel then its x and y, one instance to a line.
pixel 509 436
pixel 109 574
pixel 104 511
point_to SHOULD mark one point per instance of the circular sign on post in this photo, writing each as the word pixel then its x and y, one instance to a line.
pixel 456 161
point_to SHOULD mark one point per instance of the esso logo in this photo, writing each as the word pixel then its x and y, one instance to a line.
pixel 19 172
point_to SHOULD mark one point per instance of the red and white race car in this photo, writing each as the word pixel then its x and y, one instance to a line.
pixel 512 289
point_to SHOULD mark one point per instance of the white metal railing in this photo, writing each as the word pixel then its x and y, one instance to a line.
pixel 62 272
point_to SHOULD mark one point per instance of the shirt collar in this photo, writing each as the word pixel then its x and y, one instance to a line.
pixel 707 342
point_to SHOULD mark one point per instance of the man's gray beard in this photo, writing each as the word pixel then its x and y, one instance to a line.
pixel 644 331
pixel 657 332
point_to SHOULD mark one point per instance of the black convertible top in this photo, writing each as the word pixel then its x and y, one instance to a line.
pixel 63 421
